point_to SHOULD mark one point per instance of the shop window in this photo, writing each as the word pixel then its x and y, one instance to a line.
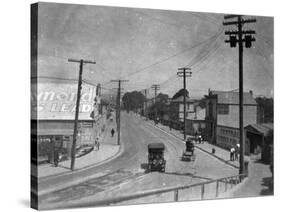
pixel 223 109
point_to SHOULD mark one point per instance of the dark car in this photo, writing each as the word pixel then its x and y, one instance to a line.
pixel 156 161
pixel 188 154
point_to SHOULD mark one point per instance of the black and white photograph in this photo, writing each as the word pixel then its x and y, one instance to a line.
pixel 136 105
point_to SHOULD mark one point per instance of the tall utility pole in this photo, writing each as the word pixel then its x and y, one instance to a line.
pixel 239 37
pixel 156 88
pixel 118 108
pixel 184 73
pixel 73 149
pixel 145 103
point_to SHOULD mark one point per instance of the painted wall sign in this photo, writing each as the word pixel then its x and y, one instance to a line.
pixel 58 101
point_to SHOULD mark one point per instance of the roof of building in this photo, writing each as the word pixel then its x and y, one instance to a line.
pixel 180 99
pixel 230 97
pixel 264 128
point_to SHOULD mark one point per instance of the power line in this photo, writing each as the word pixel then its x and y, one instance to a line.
pixel 204 51
pixel 208 18
pixel 259 51
pixel 174 55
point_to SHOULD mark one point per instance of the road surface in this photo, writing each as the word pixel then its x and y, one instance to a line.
pixel 127 173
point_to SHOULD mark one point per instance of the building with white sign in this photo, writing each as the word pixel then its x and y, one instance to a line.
pixel 53 105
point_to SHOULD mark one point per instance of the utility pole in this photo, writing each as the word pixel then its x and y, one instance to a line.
pixel 145 104
pixel 240 37
pixel 118 108
pixel 73 149
pixel 156 88
pixel 184 73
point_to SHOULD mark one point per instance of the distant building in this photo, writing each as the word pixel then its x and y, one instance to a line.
pixel 178 107
pixel 222 116
pixel 195 121
pixel 195 115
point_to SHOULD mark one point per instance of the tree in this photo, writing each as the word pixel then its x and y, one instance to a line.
pixel 133 100
pixel 202 102
pixel 160 106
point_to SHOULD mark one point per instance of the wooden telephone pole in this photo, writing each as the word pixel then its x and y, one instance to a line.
pixel 156 88
pixel 73 149
pixel 240 37
pixel 145 104
pixel 118 108
pixel 184 73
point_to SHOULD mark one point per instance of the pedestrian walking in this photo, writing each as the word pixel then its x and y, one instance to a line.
pixel 112 132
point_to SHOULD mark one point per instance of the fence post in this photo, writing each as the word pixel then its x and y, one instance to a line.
pixel 202 191
pixel 176 195
pixel 217 189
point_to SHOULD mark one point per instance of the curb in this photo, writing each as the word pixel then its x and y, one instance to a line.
pixel 120 150
pixel 76 171
pixel 117 154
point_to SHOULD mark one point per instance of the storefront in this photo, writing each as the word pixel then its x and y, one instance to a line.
pixel 54 107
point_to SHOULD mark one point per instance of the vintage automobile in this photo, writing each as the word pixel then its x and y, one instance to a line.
pixel 188 154
pixel 156 161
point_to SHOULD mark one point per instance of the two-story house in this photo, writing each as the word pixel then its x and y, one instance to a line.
pixel 195 115
pixel 222 116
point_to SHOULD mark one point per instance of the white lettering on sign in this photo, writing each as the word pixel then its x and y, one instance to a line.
pixel 58 100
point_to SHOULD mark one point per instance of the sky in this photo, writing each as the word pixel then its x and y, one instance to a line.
pixel 147 47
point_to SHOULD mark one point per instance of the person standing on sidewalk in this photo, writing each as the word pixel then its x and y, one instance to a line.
pixel 235 154
pixel 232 150
pixel 56 157
pixel 112 132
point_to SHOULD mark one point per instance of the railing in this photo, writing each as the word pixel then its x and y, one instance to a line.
pixel 202 190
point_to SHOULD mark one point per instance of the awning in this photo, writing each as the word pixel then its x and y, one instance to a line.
pixel 65 132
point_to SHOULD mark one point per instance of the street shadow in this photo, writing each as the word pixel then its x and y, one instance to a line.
pixel 260 161
pixel 269 184
pixel 188 174
pixel 144 166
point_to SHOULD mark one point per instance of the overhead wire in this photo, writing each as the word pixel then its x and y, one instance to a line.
pixel 174 55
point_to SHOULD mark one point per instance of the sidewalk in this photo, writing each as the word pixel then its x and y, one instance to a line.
pixel 108 149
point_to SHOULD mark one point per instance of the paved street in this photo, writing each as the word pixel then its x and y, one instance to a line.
pixel 127 172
